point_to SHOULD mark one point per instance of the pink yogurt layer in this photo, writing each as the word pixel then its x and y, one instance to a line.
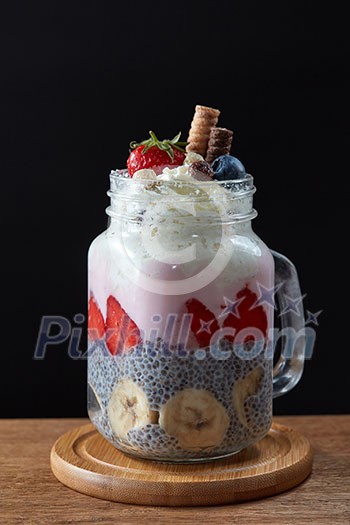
pixel 158 289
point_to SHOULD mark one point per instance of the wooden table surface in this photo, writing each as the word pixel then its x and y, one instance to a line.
pixel 30 494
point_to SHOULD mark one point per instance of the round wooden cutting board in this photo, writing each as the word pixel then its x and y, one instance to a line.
pixel 84 461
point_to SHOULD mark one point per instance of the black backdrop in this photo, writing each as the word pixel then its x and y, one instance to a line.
pixel 81 79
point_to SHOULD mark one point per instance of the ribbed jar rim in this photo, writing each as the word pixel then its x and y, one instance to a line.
pixel 120 181
pixel 232 197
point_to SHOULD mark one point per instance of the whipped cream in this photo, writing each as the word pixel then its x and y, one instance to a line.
pixel 177 242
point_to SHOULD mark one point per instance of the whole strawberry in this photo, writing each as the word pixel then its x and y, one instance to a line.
pixel 156 154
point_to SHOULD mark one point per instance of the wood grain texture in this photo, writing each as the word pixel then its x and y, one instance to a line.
pixel 84 461
pixel 30 494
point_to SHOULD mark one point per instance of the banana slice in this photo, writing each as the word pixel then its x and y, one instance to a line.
pixel 244 388
pixel 196 418
pixel 128 408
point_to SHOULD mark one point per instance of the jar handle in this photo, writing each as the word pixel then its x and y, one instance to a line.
pixel 289 368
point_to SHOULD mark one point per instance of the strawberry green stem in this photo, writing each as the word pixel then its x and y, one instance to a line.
pixel 165 145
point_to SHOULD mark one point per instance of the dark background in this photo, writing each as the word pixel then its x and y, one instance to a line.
pixel 81 79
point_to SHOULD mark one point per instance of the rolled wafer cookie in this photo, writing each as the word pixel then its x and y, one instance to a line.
pixel 220 142
pixel 203 120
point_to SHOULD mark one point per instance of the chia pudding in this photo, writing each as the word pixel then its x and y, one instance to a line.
pixel 163 379
pixel 177 368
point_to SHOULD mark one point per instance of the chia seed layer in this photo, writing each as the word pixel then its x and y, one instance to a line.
pixel 161 376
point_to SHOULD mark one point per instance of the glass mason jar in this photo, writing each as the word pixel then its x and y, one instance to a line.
pixel 181 321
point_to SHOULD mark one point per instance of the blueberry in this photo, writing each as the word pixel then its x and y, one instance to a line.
pixel 227 167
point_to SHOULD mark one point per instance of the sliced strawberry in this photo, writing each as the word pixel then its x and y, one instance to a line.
pixel 132 336
pixel 155 154
pixel 114 320
pixel 121 331
pixel 96 323
pixel 204 323
pixel 247 317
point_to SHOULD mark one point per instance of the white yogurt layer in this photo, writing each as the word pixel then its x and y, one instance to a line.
pixel 178 249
